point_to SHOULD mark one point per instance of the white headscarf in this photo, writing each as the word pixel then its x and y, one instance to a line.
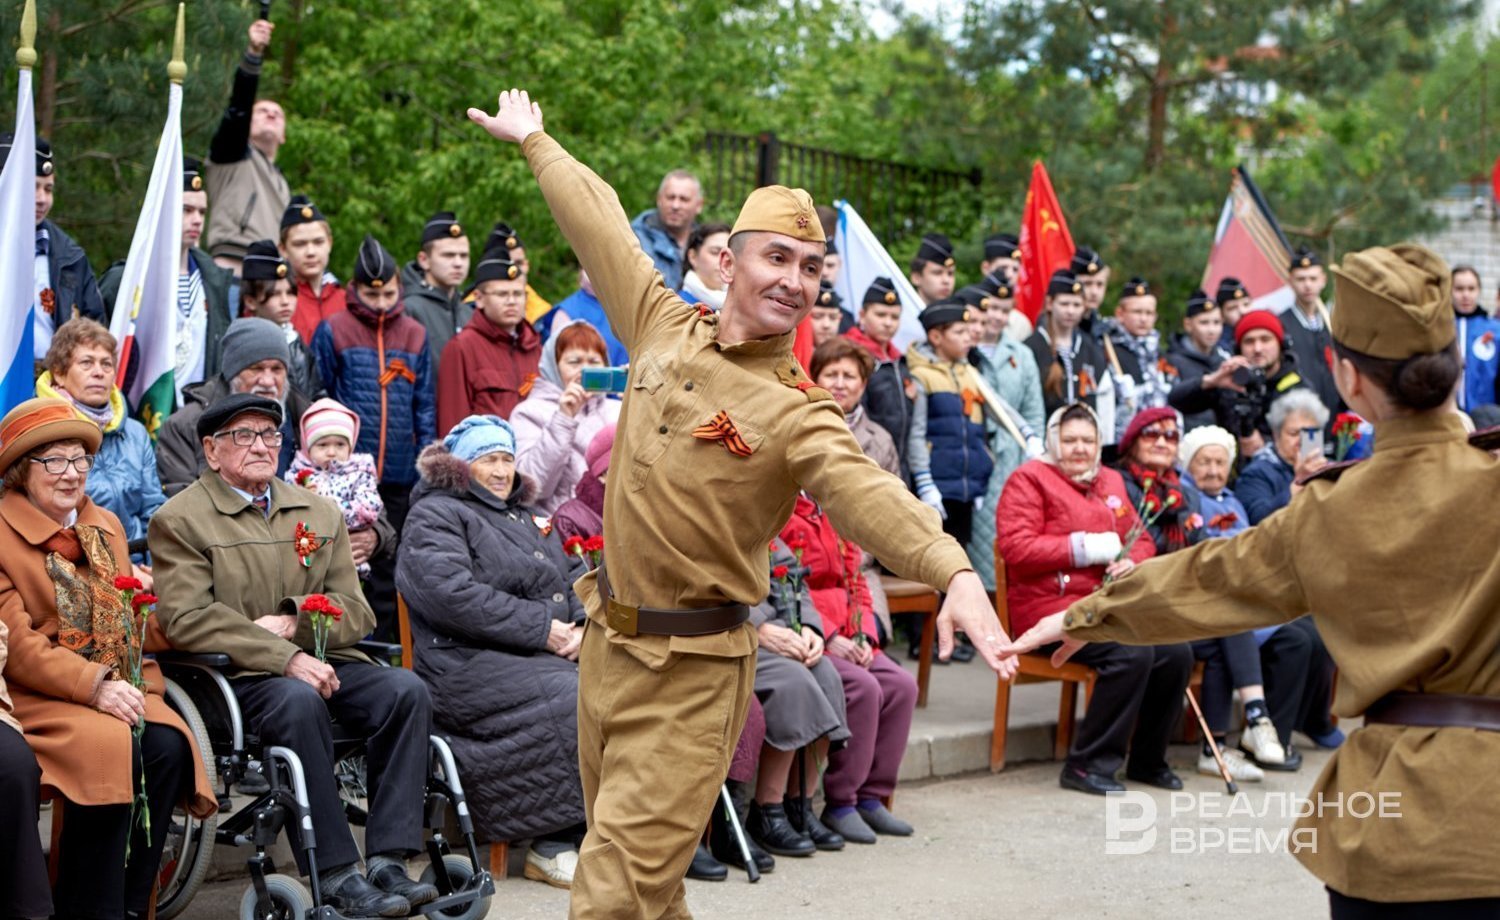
pixel 1199 438
pixel 1054 442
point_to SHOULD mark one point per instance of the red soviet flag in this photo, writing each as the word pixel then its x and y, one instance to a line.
pixel 1046 244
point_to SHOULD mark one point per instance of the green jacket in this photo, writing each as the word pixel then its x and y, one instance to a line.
pixel 220 565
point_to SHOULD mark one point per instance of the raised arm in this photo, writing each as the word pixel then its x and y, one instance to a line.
pixel 231 141
pixel 590 216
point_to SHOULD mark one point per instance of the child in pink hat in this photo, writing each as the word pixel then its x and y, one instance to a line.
pixel 326 464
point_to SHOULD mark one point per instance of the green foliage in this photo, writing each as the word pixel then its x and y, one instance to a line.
pixel 1138 107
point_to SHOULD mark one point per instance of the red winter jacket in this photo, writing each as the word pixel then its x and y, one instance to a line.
pixel 312 308
pixel 833 579
pixel 485 370
pixel 1039 509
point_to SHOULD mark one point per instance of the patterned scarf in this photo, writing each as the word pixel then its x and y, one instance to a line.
pixel 90 612
pixel 1164 484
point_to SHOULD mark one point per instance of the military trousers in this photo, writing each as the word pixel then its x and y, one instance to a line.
pixel 656 732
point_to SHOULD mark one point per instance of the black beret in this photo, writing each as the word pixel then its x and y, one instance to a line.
pixel 973 295
pixel 495 265
pixel 373 265
pixel 935 248
pixel 1002 246
pixel 222 411
pixel 1231 289
pixel 997 287
pixel 1199 302
pixel 192 174
pixel 263 262
pixel 1304 258
pixel 829 248
pixel 1136 287
pixel 441 226
pixel 503 236
pixel 300 210
pixel 881 290
pixel 1086 262
pixel 944 312
pixel 828 297
pixel 43 153
pixel 1063 282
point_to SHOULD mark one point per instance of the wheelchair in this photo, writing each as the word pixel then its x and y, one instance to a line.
pixel 198 689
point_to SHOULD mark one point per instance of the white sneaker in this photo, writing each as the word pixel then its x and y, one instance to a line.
pixel 556 871
pixel 1260 742
pixel 1241 770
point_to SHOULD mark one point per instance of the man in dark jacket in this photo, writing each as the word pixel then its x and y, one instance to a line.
pixel 65 282
pixel 206 294
pixel 249 192
pixel 888 395
pixel 1306 325
pixel 432 283
pixel 1194 353
pixel 254 361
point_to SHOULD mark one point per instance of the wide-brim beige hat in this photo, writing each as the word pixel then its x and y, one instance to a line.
pixel 36 422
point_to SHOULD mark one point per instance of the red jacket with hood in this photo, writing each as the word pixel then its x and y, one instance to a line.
pixel 833 580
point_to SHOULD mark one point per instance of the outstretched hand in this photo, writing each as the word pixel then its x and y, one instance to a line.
pixel 516 118
pixel 1047 631
pixel 967 607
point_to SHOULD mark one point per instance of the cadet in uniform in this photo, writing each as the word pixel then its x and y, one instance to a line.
pixel 719 430
pixel 1409 614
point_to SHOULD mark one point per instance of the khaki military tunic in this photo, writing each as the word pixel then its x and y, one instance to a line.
pixel 1399 560
pixel 687 523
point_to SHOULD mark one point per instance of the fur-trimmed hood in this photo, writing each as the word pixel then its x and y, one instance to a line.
pixel 441 471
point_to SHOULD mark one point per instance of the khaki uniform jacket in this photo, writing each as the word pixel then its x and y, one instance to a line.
pixel 1397 562
pixel 84 754
pixel 220 564
pixel 687 523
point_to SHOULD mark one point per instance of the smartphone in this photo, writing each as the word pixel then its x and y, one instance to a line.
pixel 1312 442
pixel 604 379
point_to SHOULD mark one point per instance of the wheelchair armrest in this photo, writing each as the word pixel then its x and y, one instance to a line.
pixel 387 652
pixel 201 659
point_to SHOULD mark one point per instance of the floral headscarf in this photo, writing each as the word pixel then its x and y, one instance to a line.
pixel 1054 442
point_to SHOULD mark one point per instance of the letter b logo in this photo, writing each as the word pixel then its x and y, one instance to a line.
pixel 1127 833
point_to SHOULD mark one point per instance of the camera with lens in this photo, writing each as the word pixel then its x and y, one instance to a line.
pixel 1250 406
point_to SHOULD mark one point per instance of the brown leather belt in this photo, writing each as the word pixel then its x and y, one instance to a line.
pixel 1436 710
pixel 695 621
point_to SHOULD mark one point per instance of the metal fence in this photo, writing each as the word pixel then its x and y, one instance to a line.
pixel 897 200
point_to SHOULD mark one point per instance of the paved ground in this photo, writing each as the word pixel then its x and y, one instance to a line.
pixel 987 846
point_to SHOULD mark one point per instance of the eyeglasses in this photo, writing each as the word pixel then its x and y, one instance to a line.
pixel 59 465
pixel 244 437
pixel 1170 435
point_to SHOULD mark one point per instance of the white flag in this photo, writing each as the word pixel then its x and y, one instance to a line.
pixel 865 259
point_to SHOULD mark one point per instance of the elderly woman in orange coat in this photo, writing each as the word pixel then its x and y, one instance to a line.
pixel 65 669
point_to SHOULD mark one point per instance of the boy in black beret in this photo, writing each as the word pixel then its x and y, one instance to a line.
pixel 1093 275
pixel 503 237
pixel 433 282
pixel 1002 257
pixel 827 314
pixel 932 269
pixel 887 397
pixel 1233 299
pixel 1306 325
pixel 1196 352
pixel 307 242
pixel 1133 347
pixel 1071 362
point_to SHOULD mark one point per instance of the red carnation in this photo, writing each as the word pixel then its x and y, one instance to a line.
pixel 142 600
pixel 1151 503
pixel 779 572
pixel 593 544
pixel 796 544
pixel 573 546
pixel 303 476
pixel 127 583
pixel 1174 499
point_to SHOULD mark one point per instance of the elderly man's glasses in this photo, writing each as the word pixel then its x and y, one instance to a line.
pixel 59 465
pixel 1170 435
pixel 244 437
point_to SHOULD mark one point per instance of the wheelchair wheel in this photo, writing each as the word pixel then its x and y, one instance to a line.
pixel 289 900
pixel 460 871
pixel 190 841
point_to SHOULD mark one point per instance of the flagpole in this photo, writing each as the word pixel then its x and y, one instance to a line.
pixel 177 67
pixel 26 53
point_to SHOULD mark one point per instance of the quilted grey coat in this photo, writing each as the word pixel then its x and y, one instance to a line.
pixel 483 584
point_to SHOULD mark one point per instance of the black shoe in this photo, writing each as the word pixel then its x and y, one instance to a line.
pixel 770 827
pixel 1163 778
pixel 357 896
pixel 393 879
pixel 800 812
pixel 721 839
pixel 963 650
pixel 1092 783
pixel 705 868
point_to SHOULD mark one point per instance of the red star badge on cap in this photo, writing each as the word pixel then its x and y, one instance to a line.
pixel 802 223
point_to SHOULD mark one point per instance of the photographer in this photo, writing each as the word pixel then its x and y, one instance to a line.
pixel 558 418
pixel 1240 391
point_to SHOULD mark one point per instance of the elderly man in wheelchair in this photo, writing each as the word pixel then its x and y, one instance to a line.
pixel 238 555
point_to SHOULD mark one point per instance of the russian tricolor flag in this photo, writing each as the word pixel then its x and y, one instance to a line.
pixel 18 253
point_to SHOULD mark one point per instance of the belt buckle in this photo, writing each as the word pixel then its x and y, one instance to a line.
pixel 620 617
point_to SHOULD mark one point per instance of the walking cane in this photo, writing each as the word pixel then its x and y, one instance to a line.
pixel 739 834
pixel 1212 744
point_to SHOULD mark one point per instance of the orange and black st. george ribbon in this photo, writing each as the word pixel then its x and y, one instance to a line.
pixel 721 429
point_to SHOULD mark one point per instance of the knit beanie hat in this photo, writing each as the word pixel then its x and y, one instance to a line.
pixel 1202 437
pixel 328 418
pixel 480 435
pixel 252 340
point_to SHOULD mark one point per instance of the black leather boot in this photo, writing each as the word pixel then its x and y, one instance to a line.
pixel 721 839
pixel 770 827
pixel 800 811
pixel 706 868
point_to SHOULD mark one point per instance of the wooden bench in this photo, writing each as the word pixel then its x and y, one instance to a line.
pixel 905 596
